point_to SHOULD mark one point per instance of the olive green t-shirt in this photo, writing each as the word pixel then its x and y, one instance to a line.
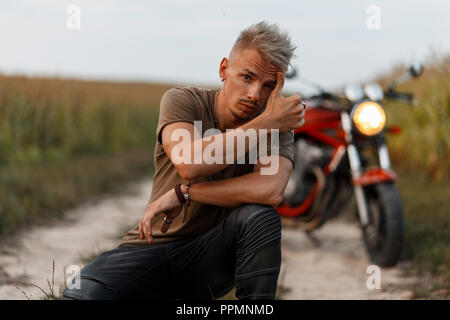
pixel 189 104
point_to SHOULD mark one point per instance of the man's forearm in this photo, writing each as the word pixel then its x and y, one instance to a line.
pixel 231 146
pixel 249 188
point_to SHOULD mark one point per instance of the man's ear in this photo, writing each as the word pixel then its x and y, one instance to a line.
pixel 222 69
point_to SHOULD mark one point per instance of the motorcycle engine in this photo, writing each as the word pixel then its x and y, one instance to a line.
pixel 306 156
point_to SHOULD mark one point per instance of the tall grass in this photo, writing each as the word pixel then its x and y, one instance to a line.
pixel 63 141
pixel 424 144
pixel 43 120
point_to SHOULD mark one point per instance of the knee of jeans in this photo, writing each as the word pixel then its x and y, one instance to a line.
pixel 258 219
pixel 88 290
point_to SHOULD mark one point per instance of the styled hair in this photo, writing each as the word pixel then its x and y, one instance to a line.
pixel 274 46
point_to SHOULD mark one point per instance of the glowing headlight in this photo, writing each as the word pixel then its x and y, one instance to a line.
pixel 369 118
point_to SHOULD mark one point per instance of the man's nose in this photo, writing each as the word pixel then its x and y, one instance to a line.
pixel 254 93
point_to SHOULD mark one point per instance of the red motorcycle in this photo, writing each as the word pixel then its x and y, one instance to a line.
pixel 341 148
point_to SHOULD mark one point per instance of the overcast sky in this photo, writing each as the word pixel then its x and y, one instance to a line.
pixel 184 41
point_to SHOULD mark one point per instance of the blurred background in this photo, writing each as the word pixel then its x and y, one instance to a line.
pixel 80 84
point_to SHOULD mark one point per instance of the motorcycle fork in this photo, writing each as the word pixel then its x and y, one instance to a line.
pixel 383 156
pixel 355 168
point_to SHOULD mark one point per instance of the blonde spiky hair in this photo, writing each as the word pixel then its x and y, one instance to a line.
pixel 274 46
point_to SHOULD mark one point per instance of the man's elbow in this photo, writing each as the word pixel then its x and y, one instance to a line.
pixel 186 172
pixel 279 183
pixel 274 199
pixel 274 194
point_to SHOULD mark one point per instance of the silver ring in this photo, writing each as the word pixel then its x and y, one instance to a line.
pixel 168 221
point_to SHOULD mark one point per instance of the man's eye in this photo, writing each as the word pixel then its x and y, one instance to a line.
pixel 246 77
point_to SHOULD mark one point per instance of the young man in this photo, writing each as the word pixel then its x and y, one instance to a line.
pixel 222 230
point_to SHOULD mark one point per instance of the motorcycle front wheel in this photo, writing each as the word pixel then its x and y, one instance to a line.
pixel 384 236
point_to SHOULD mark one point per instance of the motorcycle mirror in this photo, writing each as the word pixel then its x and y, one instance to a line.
pixel 373 91
pixel 291 73
pixel 415 69
pixel 353 92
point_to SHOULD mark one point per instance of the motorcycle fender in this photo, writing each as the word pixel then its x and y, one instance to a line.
pixel 375 175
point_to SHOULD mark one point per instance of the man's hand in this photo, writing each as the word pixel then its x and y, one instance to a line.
pixel 284 113
pixel 167 204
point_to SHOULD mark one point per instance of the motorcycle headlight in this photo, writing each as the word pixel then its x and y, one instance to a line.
pixel 369 118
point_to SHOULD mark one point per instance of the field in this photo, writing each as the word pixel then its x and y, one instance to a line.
pixel 65 141
pixel 421 156
pixel 424 144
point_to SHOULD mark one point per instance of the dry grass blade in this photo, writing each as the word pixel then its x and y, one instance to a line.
pixel 53 276
pixel 28 298
pixel 50 287
pixel 34 285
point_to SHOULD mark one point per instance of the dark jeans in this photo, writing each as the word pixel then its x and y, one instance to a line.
pixel 243 250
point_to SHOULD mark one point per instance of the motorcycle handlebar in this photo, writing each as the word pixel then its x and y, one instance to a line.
pixel 324 95
pixel 403 96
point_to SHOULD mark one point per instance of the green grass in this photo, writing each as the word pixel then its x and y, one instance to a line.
pixel 426 206
pixel 36 193
pixel 424 144
pixel 43 120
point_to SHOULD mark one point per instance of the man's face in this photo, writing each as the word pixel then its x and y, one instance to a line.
pixel 249 81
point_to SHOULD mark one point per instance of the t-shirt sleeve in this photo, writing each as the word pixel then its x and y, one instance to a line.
pixel 176 105
pixel 285 145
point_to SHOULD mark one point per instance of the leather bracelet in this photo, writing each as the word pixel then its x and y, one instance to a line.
pixel 183 198
pixel 179 193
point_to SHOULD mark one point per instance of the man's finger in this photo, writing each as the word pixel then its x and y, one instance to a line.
pixel 141 233
pixel 302 114
pixel 279 86
pixel 295 99
pixel 144 230
pixel 148 230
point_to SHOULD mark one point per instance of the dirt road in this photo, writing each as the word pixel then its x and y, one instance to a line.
pixel 335 270
pixel 86 230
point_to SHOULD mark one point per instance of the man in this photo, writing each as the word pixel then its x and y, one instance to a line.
pixel 211 225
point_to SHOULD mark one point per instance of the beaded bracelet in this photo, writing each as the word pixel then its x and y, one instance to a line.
pixel 187 196
pixel 187 199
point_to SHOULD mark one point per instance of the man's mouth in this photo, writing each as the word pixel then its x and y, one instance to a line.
pixel 248 108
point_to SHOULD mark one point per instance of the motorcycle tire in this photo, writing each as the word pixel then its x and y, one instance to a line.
pixel 384 236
